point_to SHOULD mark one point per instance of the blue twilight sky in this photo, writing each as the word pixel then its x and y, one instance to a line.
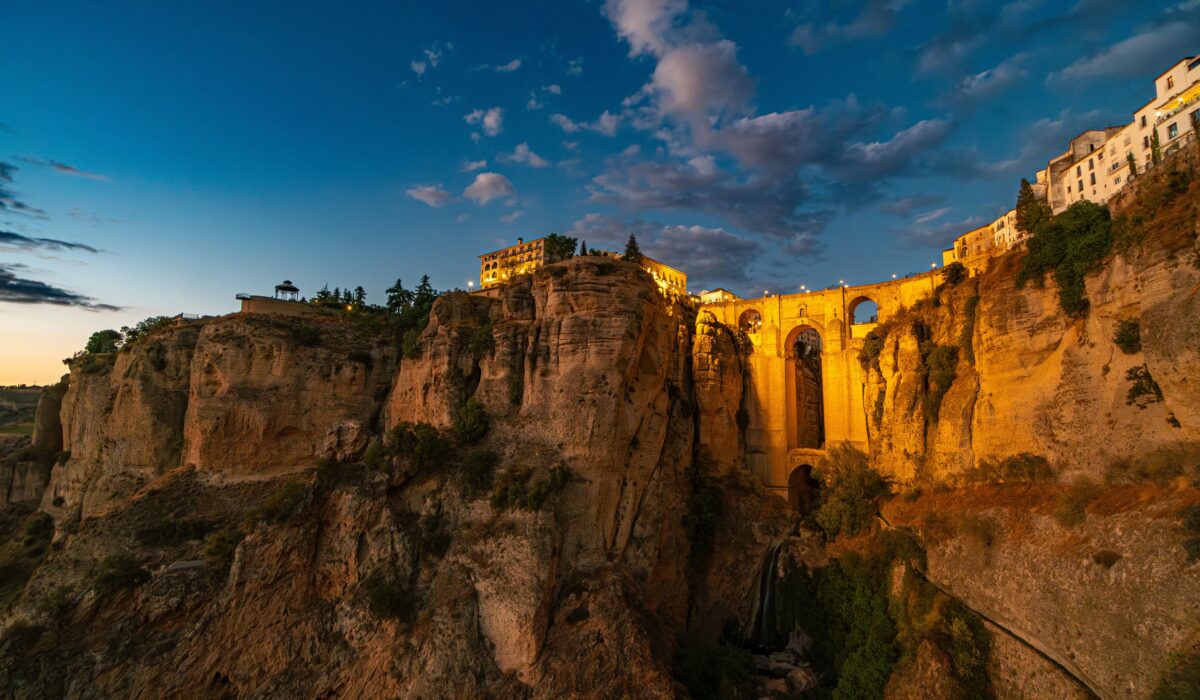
pixel 158 157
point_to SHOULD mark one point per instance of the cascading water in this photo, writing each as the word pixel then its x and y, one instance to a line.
pixel 761 633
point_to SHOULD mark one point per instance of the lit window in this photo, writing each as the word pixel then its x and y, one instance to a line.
pixel 1173 130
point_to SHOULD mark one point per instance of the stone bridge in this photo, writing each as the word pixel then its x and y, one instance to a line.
pixel 805 389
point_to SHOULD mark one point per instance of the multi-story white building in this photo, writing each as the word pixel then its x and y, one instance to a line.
pixel 1096 164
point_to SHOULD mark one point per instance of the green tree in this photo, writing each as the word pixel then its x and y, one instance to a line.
pixel 583 247
pixel 1070 245
pixel 103 341
pixel 1155 147
pixel 424 296
pixel 633 253
pixel 143 328
pixel 398 298
pixel 1032 211
pixel 849 491
pixel 954 274
pixel 1132 165
pixel 360 297
pixel 559 247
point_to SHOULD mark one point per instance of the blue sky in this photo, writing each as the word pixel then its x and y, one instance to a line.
pixel 161 157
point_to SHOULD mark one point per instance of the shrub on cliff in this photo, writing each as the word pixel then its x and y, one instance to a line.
pixel 478 469
pixel 1025 467
pixel 1181 681
pixel 283 503
pixel 220 547
pixel 306 335
pixel 1143 390
pixel 1071 507
pixel 118 571
pixel 940 364
pixel 1069 246
pixel 1128 336
pixel 849 490
pixel 471 422
pixel 420 445
pixel 516 488
pixel 103 341
pixel 954 274
pixel 387 597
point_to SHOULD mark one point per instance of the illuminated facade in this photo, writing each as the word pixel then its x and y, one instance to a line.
pixel 520 259
pixel 525 257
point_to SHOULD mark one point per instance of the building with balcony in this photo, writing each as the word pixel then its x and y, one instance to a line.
pixel 524 258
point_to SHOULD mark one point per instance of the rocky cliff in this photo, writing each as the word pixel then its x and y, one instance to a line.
pixel 1028 378
pixel 237 514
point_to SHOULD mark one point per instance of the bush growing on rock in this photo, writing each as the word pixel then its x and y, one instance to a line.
pixel 1141 384
pixel 478 469
pixel 306 335
pixel 421 445
pixel 850 488
pixel 119 571
pixel 1070 508
pixel 471 422
pixel 283 502
pixel 165 530
pixel 1026 468
pixel 516 488
pixel 1181 681
pixel 220 547
pixel 1069 246
pixel 1128 336
pixel 387 597
pixel 954 274
pixel 939 363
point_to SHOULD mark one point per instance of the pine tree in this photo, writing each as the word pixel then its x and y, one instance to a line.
pixel 323 296
pixel 347 297
pixel 337 295
pixel 424 296
pixel 1031 211
pixel 583 248
pixel 1132 165
pixel 398 297
pixel 1155 147
pixel 360 297
pixel 633 253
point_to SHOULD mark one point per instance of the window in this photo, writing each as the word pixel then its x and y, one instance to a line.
pixel 1116 181
pixel 1079 171
pixel 1091 164
pixel 1093 178
pixel 1081 187
pixel 1170 82
pixel 1145 142
pixel 1143 121
pixel 1173 130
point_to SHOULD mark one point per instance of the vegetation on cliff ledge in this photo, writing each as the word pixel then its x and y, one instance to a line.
pixel 1069 246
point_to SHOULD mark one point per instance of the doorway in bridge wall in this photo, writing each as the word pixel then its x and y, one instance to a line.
pixel 805 390
pixel 802 488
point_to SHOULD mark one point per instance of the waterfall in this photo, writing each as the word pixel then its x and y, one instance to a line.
pixel 761 633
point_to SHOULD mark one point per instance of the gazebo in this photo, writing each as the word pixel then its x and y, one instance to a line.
pixel 287 291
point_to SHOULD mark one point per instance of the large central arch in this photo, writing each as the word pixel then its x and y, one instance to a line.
pixel 804 382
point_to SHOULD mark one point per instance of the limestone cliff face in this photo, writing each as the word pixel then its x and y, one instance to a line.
pixel 1041 382
pixel 584 369
pixel 266 395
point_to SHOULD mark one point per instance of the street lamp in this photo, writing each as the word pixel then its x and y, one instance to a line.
pixel 893 275
pixel 470 284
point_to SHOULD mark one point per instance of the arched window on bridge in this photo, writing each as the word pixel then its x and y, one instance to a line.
pixel 750 321
pixel 804 381
pixel 864 310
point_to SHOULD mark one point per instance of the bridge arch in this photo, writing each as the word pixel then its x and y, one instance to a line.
pixel 863 309
pixel 750 321
pixel 802 488
pixel 804 382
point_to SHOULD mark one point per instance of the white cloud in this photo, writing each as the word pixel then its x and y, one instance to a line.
pixel 510 66
pixel 434 55
pixel 474 165
pixel 989 83
pixel 510 218
pixel 418 67
pixel 557 90
pixel 489 186
pixel 607 124
pixel 931 216
pixel 1138 55
pixel 433 195
pixel 644 23
pixel 564 122
pixel 575 67
pixel 492 120
pixel 533 102
pixel 523 154
pixel 699 79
